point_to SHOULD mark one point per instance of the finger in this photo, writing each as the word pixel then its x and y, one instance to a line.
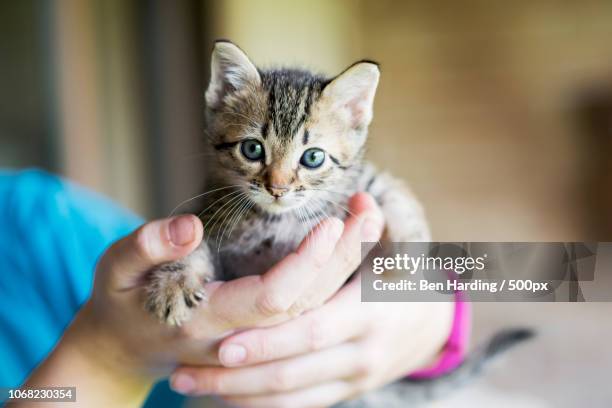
pixel 286 375
pixel 152 244
pixel 323 395
pixel 365 224
pixel 254 299
pixel 335 322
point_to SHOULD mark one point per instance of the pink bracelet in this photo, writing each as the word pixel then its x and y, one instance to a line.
pixel 456 346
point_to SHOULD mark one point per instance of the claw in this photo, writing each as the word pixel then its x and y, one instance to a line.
pixel 188 301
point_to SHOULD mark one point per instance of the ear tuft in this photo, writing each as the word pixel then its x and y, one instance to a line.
pixel 230 70
pixel 352 92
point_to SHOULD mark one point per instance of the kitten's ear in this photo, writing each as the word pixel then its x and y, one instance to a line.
pixel 230 70
pixel 352 93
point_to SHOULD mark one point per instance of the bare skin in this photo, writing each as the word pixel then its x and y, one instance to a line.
pixel 114 351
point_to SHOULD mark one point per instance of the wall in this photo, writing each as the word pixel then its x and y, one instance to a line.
pixel 480 100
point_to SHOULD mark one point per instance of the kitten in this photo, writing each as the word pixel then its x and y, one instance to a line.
pixel 286 151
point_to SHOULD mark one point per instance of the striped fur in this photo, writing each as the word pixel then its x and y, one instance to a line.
pixel 256 211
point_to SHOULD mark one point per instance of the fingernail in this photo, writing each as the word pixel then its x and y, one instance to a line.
pixel 232 354
pixel 182 230
pixel 371 228
pixel 182 383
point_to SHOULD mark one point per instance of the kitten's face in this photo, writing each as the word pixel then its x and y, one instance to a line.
pixel 286 137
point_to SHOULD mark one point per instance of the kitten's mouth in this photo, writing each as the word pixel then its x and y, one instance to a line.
pixel 282 204
pixel 277 205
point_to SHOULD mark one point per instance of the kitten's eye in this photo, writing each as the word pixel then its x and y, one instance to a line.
pixel 252 149
pixel 313 158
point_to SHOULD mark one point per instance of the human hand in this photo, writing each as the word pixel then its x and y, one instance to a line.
pixel 115 338
pixel 326 355
pixel 154 348
pixel 330 354
pixel 107 352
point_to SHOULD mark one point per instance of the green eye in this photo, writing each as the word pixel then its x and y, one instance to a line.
pixel 313 158
pixel 252 149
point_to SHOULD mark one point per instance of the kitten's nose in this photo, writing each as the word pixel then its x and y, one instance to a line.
pixel 277 190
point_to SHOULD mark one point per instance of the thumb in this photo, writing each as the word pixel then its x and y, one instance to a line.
pixel 152 244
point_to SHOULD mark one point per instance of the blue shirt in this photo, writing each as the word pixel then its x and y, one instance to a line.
pixel 52 233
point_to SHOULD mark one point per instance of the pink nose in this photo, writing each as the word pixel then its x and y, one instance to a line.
pixel 277 190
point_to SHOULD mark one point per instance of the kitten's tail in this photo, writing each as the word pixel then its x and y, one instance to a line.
pixel 410 391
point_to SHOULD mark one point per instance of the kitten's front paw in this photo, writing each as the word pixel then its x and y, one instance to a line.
pixel 172 293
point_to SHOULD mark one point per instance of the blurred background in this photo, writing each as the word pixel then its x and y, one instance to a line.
pixel 499 115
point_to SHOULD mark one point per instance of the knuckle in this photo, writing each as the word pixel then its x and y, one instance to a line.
pixel 360 386
pixel 366 365
pixel 317 335
pixel 142 245
pixel 263 350
pixel 363 369
pixel 281 380
pixel 270 303
pixel 189 331
pixel 318 262
pixel 349 259
pixel 296 310
pixel 185 331
pixel 299 307
pixel 214 383
pixel 366 384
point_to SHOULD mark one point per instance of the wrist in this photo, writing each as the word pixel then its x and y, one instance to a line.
pixel 104 349
pixel 90 359
pixel 455 337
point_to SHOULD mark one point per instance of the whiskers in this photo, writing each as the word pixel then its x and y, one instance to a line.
pixel 324 200
pixel 229 209
pixel 228 213
pixel 231 217
pixel 305 215
pixel 200 196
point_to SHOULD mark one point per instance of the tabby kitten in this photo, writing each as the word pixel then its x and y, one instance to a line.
pixel 286 150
